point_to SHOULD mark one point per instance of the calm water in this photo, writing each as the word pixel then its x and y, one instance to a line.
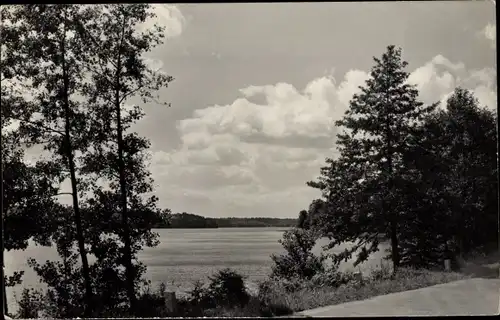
pixel 186 255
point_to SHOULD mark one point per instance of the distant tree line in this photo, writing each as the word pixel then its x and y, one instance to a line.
pixel 188 220
pixel 255 222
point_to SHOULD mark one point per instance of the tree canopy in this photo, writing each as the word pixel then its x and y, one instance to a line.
pixel 422 176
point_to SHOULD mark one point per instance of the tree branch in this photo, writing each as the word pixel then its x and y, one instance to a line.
pixel 39 125
pixel 62 193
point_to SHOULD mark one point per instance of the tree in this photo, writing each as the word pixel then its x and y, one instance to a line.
pixel 119 73
pixel 370 169
pixel 65 296
pixel 456 166
pixel 302 223
pixel 27 201
pixel 50 52
pixel 299 261
pixel 316 209
pixel 470 152
pixel 27 190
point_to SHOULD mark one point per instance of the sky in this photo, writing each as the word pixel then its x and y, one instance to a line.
pixel 259 86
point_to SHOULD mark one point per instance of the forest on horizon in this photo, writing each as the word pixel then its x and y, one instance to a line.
pixel 189 220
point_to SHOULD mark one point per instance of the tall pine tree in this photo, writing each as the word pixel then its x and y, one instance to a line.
pixel 361 186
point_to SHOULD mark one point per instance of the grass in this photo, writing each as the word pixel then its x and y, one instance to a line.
pixel 255 308
pixel 481 265
pixel 379 283
pixel 279 298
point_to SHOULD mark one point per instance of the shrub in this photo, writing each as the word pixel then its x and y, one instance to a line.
pixel 254 308
pixel 226 296
pixel 198 294
pixel 382 273
pixel 298 261
pixel 227 288
pixel 198 300
pixel 31 303
pixel 332 277
pixel 152 304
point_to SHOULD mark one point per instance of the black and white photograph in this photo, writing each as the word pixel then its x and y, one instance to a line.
pixel 266 159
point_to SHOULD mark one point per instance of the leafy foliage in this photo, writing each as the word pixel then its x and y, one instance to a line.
pixel 118 47
pixel 423 178
pixel 81 64
pixel 226 288
pixel 361 187
pixel 332 277
pixel 454 176
pixel 52 70
pixel 28 190
pixel 303 222
pixel 31 304
pixel 299 261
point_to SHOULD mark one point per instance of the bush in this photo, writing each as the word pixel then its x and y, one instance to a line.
pixel 254 308
pixel 298 261
pixel 31 304
pixel 332 278
pixel 385 272
pixel 152 304
pixel 226 296
pixel 227 288
pixel 199 294
pixel 288 285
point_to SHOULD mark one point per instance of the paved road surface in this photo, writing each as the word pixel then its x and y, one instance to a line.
pixel 465 297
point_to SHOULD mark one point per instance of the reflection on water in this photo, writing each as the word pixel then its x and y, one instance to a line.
pixel 186 255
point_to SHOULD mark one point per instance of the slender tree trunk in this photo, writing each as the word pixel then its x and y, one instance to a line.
pixel 461 225
pixel 394 244
pixel 3 231
pixel 5 308
pixel 4 290
pixel 74 189
pixel 123 194
pixel 460 222
pixel 393 214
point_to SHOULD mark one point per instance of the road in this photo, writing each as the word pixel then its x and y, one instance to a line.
pixel 475 296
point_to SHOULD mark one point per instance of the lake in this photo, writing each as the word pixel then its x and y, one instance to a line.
pixel 186 255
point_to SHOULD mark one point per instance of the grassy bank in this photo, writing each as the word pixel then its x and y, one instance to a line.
pixel 225 295
pixel 380 282
pixel 309 296
pixel 279 298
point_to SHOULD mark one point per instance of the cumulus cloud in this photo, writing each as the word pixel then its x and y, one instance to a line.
pixel 490 33
pixel 286 112
pixel 263 147
pixel 168 16
pixel 153 64
pixel 437 79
